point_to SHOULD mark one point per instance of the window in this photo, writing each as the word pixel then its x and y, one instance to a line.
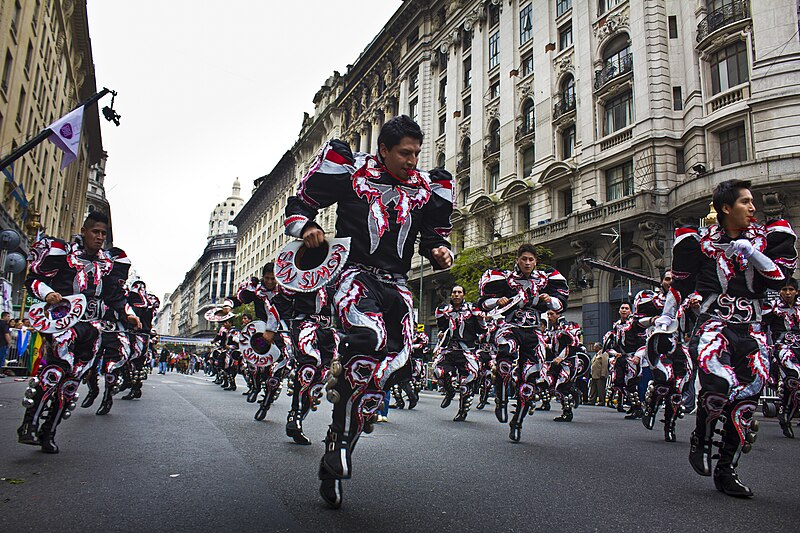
pixel 466 40
pixel 494 15
pixel 7 70
pixel 618 113
pixel 413 80
pixel 525 24
pixel 443 92
pixel 565 201
pixel 562 6
pixel 732 146
pixel 528 116
pixel 412 38
pixel 494 89
pixel 619 181
pixel 494 177
pixel 467 105
pixel 465 149
pixel 673 27
pixel 605 5
pixel 467 72
pixel 413 108
pixel 21 105
pixel 15 17
pixel 494 50
pixel 463 191
pixel 677 98
pixel 528 157
pixel 440 160
pixel 729 67
pixel 28 57
pixel 527 65
pixel 524 217
pixel 442 124
pixel 494 136
pixel 565 36
pixel 680 162
pixel 568 142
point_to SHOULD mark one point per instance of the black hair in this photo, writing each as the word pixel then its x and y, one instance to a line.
pixel 790 282
pixel 527 247
pixel 94 217
pixel 395 129
pixel 248 315
pixel 726 193
pixel 269 268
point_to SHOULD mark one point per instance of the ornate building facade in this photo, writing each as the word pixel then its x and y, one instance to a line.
pixel 591 127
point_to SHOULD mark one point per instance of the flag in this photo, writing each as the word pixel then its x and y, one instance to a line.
pixel 35 350
pixel 67 135
pixel 23 338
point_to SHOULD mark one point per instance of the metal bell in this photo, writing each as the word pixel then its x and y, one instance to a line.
pixel 27 402
pixel 75 397
pixel 747 447
pixel 754 426
pixel 30 392
pixel 71 406
pixel 33 382
pixel 333 396
pixel 290 392
pixel 751 437
pixel 66 414
pixel 336 368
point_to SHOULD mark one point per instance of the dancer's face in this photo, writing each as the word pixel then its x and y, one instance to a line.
pixel 739 215
pixel 402 157
pixel 457 295
pixel 94 235
pixel 624 311
pixel 269 281
pixel 526 263
pixel 788 294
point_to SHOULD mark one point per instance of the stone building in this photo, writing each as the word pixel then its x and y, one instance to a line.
pixel 591 127
pixel 96 195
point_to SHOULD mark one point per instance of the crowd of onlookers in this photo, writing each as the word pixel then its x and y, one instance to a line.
pixel 10 329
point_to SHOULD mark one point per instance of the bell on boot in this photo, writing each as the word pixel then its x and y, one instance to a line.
pixel 48 443
pixel 26 434
pixel 727 480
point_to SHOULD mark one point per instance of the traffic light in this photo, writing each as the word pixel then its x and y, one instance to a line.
pixel 11 257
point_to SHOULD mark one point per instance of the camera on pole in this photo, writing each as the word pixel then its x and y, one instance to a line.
pixel 12 259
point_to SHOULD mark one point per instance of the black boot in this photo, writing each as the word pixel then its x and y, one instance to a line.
pixel 516 421
pixel 785 412
pixel 399 403
pixel 566 416
pixel 330 487
pixel 105 405
pixel 725 477
pixel 135 392
pixel 709 410
pixel 294 428
pixel 47 432
pixel 464 403
pixel 413 397
pixel 94 392
pixel 252 395
pixel 500 400
pixel 449 394
pixel 337 460
pixel 26 434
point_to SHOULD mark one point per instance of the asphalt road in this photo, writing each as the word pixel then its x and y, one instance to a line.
pixel 190 457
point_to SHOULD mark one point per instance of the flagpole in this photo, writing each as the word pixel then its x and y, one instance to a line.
pixel 45 133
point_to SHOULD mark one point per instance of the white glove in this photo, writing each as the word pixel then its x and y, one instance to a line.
pixel 663 322
pixel 743 247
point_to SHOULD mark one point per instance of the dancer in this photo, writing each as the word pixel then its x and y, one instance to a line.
pixel 519 296
pixel 383 204
pixel 730 264
pixel 460 325
pixel 561 366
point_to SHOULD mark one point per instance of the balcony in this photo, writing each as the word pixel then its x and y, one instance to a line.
pixel 564 103
pixel 724 16
pixel 525 134
pixel 612 70
pixel 491 149
pixel 726 98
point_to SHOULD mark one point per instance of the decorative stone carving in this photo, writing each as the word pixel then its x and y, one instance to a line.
pixel 774 204
pixel 611 24
pixel 654 237
pixel 439 146
pixel 563 64
pixel 463 129
pixel 492 112
pixel 525 90
pixel 580 274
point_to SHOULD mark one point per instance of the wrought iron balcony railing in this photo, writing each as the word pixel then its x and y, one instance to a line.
pixel 727 14
pixel 563 104
pixel 613 68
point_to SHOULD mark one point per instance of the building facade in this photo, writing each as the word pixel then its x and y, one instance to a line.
pixel 591 127
pixel 96 195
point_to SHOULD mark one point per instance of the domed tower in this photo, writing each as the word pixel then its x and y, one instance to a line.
pixel 225 212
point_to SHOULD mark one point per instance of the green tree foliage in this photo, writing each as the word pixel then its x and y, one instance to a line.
pixel 470 264
pixel 245 308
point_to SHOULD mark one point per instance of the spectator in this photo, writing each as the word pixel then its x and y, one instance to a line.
pixel 597 388
pixel 162 361
pixel 5 338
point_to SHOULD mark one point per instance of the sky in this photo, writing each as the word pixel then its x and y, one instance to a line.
pixel 208 95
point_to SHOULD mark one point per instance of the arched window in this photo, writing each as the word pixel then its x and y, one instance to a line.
pixel 494 135
pixel 440 160
pixel 527 116
pixel 568 91
pixel 617 57
pixel 465 144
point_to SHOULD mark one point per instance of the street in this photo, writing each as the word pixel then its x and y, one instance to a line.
pixel 189 456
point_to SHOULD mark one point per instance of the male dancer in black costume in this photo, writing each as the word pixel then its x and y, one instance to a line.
pixel 519 296
pixel 460 325
pixel 145 305
pixel 58 269
pixel 383 204
pixel 730 264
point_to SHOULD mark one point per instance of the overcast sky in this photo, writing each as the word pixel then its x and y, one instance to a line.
pixel 208 92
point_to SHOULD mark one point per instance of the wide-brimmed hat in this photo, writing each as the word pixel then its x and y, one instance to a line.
pixel 302 269
pixel 254 347
pixel 55 318
pixel 219 314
